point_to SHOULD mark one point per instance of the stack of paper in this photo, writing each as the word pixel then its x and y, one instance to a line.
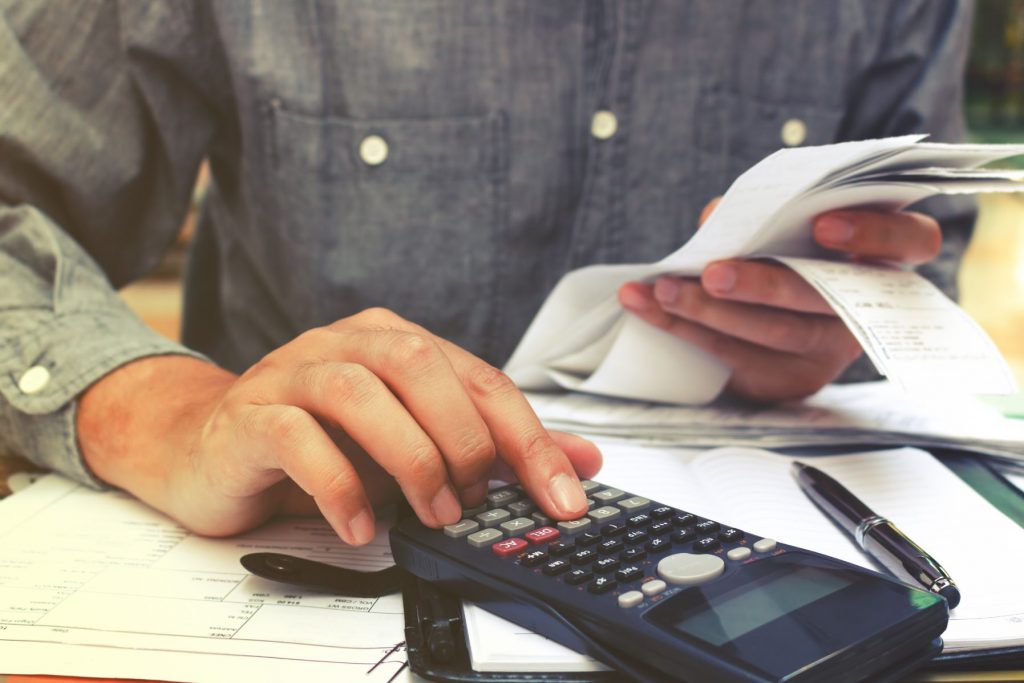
pixel 582 340
pixel 870 413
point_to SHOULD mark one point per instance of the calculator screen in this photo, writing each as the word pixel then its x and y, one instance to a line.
pixel 744 608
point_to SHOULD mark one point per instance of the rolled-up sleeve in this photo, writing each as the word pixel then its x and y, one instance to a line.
pixel 101 135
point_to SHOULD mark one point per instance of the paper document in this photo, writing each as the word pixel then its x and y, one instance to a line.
pixel 582 340
pixel 866 413
pixel 98 584
pixel 753 490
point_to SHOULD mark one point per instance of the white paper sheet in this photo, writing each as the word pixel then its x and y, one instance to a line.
pixel 98 584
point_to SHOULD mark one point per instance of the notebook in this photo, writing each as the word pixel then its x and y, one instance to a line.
pixel 752 489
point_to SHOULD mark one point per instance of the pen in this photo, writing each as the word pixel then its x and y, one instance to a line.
pixel 876 535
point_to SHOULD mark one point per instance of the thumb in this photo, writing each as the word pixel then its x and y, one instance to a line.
pixel 708 208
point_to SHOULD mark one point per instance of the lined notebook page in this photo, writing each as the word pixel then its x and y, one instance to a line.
pixel 753 490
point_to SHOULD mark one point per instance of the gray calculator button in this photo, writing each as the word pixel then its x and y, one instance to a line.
pixel 653 587
pixel 589 486
pixel 765 545
pixel 633 504
pixel 608 495
pixel 591 503
pixel 460 529
pixel 474 511
pixel 496 499
pixel 521 508
pixel 573 527
pixel 484 538
pixel 541 519
pixel 603 514
pixel 493 517
pixel 517 527
pixel 738 554
pixel 631 599
pixel 688 569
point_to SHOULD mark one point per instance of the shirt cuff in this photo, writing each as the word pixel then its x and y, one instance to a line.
pixel 45 369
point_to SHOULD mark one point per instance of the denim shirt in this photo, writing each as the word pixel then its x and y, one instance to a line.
pixel 439 158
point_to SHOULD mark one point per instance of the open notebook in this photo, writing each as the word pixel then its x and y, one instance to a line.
pixel 752 489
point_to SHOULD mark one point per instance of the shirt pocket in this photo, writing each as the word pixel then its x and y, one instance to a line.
pixel 401 213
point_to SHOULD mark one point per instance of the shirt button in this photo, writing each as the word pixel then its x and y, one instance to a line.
pixel 373 150
pixel 34 380
pixel 603 125
pixel 793 133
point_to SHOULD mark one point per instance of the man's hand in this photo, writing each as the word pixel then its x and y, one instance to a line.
pixel 764 321
pixel 335 417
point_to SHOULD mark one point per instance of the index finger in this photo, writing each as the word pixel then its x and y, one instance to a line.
pixel 902 236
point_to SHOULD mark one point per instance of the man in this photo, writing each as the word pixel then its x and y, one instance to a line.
pixel 396 186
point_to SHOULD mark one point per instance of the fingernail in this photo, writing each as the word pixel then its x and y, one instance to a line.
pixel 445 506
pixel 633 300
pixel 474 493
pixel 666 290
pixel 719 277
pixel 361 527
pixel 567 494
pixel 833 229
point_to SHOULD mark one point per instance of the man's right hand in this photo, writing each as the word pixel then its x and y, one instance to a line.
pixel 334 417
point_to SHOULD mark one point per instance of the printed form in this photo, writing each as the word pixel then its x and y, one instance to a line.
pixel 98 584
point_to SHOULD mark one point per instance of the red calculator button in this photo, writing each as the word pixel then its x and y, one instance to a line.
pixel 544 534
pixel 510 546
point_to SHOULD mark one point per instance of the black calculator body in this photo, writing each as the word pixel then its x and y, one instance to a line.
pixel 664 594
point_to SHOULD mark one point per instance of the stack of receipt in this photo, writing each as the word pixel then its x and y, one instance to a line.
pixel 582 340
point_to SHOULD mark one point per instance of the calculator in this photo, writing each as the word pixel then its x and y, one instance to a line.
pixel 661 593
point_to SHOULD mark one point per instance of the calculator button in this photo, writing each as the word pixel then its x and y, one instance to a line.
pixel 631 573
pixel 653 587
pixel 610 547
pixel 590 503
pixel 589 486
pixel 474 511
pixel 517 527
pixel 460 529
pixel 545 534
pixel 614 529
pixel 573 527
pixel 684 519
pixel 533 558
pixel 765 545
pixel 493 518
pixel 706 544
pixel 608 495
pixel 635 536
pixel 601 584
pixel 541 519
pixel 662 512
pixel 633 504
pixel 634 554
pixel 577 576
pixel 707 527
pixel 584 557
pixel 689 569
pixel 556 567
pixel 730 534
pixel 638 520
pixel 483 538
pixel 739 554
pixel 657 545
pixel 684 535
pixel 510 546
pixel 605 565
pixel 521 508
pixel 588 538
pixel 630 599
pixel 603 514
pixel 561 548
pixel 497 499
pixel 659 528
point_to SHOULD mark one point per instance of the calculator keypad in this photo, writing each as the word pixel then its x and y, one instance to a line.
pixel 624 543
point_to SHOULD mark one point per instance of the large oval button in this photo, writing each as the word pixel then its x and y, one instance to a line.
pixel 688 569
pixel 34 380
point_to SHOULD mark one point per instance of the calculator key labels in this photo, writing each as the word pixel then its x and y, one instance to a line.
pixel 510 546
pixel 460 529
pixel 575 526
pixel 633 503
pixel 608 495
pixel 493 518
pixel 483 538
pixel 604 513
pixel 497 499
pixel 601 584
pixel 517 527
pixel 556 567
pixel 545 534
pixel 578 576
